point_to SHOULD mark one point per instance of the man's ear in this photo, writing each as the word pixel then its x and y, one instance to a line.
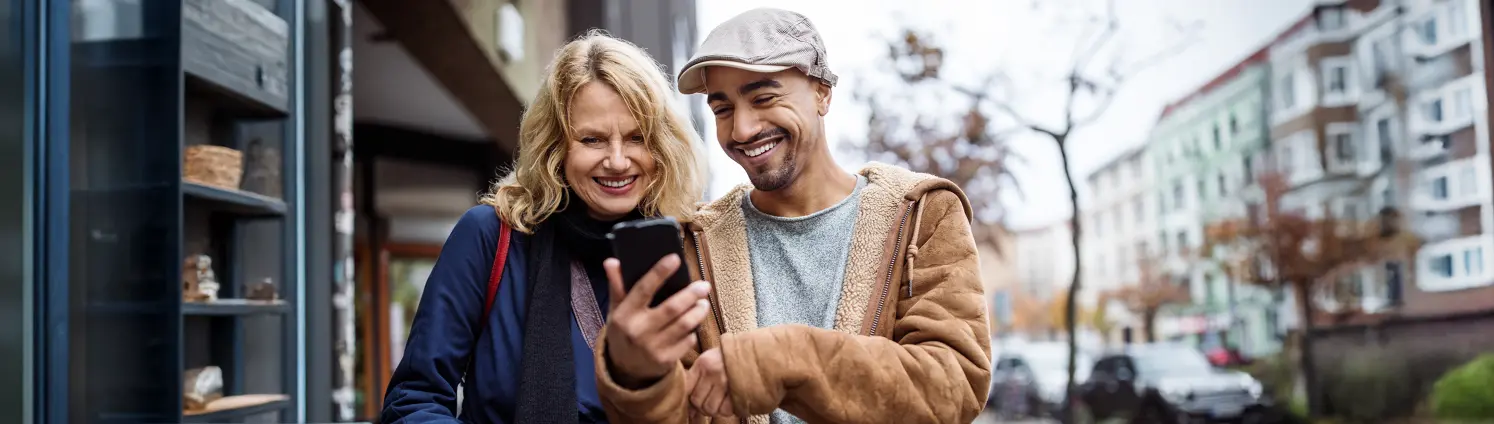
pixel 823 93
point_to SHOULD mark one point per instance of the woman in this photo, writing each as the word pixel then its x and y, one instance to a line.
pixel 600 144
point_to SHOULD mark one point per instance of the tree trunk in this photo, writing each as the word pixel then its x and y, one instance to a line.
pixel 1074 285
pixel 1307 363
pixel 1149 325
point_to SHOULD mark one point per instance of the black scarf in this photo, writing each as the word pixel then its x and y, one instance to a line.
pixel 547 382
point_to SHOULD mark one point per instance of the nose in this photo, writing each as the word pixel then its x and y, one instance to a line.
pixel 745 125
pixel 617 158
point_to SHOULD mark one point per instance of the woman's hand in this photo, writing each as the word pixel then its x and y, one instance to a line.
pixel 643 343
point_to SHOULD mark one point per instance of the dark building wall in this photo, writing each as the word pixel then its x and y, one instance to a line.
pixel 665 28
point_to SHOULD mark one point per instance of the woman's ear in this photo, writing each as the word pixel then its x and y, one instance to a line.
pixel 823 93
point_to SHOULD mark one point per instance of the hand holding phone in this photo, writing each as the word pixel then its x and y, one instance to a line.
pixel 641 244
pixel 646 336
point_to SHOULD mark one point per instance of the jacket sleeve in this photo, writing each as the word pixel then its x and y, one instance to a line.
pixel 446 325
pixel 666 401
pixel 936 368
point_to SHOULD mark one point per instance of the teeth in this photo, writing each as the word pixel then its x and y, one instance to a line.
pixel 760 150
pixel 616 183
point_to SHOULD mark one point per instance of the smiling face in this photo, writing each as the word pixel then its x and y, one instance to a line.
pixel 770 124
pixel 607 164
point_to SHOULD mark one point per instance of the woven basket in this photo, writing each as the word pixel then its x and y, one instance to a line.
pixel 215 166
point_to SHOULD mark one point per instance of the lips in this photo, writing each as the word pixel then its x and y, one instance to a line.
pixel 615 182
pixel 616 186
pixel 759 150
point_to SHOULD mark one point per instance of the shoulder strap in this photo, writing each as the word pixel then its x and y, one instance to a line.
pixel 499 260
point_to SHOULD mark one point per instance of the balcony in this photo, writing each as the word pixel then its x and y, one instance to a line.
pixel 1428 148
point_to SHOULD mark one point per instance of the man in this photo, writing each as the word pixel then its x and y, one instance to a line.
pixel 837 297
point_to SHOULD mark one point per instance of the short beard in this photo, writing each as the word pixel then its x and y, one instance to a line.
pixel 775 179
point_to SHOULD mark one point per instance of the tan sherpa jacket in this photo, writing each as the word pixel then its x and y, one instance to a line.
pixel 909 346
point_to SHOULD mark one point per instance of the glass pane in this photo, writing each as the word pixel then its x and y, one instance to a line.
pixel 15 299
pixel 124 263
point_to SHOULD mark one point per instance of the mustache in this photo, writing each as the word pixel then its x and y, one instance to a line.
pixel 767 134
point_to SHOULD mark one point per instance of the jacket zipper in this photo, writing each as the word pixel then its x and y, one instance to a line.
pixel 700 262
pixel 897 249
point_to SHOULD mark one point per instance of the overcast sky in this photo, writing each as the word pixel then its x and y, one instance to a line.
pixel 979 36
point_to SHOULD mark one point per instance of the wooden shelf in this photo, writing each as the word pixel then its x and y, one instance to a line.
pixel 247 104
pixel 228 307
pixel 237 201
pixel 234 408
pixel 238 49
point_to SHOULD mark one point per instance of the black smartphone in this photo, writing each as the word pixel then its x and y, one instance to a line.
pixel 640 244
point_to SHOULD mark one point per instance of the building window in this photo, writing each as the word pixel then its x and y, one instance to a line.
pixel 1473 261
pixel 1234 124
pixel 1223 185
pixel 1218 145
pixel 1439 188
pixel 1177 195
pixel 1457 22
pixel 1343 145
pixel 1467 182
pixel 1162 244
pixel 1441 266
pixel 1249 169
pixel 1288 93
pixel 1140 212
pixel 1461 103
pixel 1428 31
pixel 1202 188
pixel 1382 131
pixel 1337 76
pixel 1330 19
pixel 1434 110
pixel 1182 242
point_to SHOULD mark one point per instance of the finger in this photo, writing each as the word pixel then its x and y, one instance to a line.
pixel 678 349
pixel 726 410
pixel 614 283
pixel 702 392
pixel 686 323
pixel 692 378
pixel 643 290
pixel 713 402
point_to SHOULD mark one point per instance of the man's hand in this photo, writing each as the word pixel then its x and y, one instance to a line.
pixel 643 343
pixel 707 384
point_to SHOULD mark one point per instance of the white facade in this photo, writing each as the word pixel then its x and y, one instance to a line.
pixel 1044 259
pixel 1119 218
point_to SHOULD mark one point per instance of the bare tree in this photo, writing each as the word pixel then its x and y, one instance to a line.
pixel 976 154
pixel 958 145
pixel 1098 69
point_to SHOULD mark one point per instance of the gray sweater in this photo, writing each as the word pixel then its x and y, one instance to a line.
pixel 798 265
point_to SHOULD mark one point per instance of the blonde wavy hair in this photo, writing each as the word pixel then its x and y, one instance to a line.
pixel 535 186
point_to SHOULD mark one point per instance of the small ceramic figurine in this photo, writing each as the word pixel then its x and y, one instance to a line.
pixel 201 386
pixel 199 283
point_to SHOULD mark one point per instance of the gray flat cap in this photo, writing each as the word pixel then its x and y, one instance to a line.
pixel 762 40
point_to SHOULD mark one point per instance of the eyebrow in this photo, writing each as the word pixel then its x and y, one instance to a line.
pixel 747 88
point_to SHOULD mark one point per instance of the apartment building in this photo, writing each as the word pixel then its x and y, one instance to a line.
pixel 1118 220
pixel 1043 257
pixel 1206 151
pixel 1382 107
pixel 1424 115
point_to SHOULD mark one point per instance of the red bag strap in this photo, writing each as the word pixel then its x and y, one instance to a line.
pixel 499 259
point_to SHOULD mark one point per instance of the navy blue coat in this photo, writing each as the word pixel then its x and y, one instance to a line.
pixel 448 329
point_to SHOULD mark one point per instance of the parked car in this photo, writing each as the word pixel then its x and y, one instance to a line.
pixel 1167 383
pixel 1030 380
